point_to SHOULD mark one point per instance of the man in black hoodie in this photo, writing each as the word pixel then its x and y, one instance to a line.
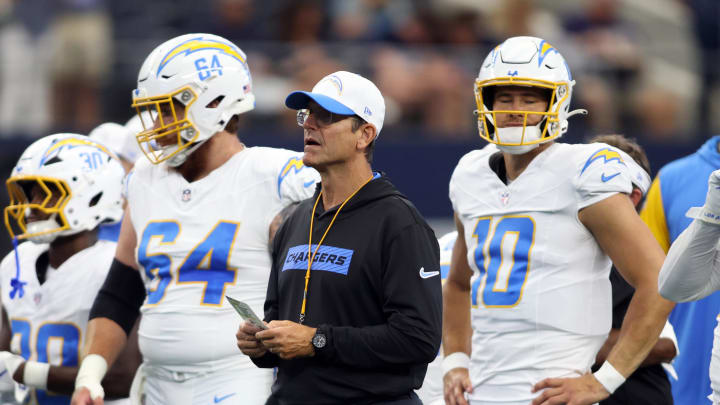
pixel 354 302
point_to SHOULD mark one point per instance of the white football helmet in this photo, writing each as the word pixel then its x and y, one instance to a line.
pixel 80 185
pixel 532 62
pixel 205 73
pixel 114 136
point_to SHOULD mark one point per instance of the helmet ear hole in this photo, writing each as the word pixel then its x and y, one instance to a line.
pixel 95 199
pixel 215 102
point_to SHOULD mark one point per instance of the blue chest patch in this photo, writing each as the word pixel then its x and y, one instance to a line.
pixel 327 258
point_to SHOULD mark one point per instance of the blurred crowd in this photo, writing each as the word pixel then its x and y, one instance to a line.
pixel 647 69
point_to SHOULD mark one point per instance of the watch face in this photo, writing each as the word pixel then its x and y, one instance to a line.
pixel 319 341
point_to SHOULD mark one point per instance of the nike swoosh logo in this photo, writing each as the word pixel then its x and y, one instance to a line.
pixel 428 274
pixel 608 178
pixel 220 399
pixel 308 183
pixel 3 373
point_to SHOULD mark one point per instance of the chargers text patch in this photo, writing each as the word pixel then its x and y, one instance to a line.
pixel 327 258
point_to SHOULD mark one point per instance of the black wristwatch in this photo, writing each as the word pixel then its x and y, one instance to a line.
pixel 319 341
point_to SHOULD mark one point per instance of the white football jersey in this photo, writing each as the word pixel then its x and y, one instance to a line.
pixel 198 242
pixel 48 321
pixel 542 305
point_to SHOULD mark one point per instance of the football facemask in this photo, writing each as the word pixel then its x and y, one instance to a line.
pixel 524 62
pixel 63 184
pixel 549 127
pixel 48 196
pixel 168 135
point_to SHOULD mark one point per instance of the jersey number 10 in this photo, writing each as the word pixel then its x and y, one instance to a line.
pixel 503 257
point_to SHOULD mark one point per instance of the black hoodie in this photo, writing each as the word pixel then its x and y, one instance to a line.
pixel 374 291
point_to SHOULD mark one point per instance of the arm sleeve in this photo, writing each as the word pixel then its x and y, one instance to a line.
pixel 412 304
pixel 653 214
pixel 692 268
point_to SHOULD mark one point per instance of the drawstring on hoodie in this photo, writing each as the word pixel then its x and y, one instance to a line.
pixel 15 283
pixel 311 258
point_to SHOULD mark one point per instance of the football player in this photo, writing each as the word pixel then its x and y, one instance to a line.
pixel 195 229
pixel 62 189
pixel 115 137
pixel 540 221
pixel 691 271
pixel 431 392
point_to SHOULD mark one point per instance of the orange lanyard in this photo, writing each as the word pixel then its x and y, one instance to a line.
pixel 312 258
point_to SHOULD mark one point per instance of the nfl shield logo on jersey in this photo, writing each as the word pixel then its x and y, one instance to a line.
pixel 37 298
pixel 186 195
pixel 505 197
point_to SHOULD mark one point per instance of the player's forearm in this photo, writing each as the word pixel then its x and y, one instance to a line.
pixel 457 333
pixel 662 352
pixel 61 380
pixel 56 379
pixel 105 338
pixel 641 327
pixel 690 270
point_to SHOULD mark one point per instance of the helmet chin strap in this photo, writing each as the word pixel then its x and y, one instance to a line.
pixel 179 158
pixel 43 226
pixel 515 135
pixel 517 150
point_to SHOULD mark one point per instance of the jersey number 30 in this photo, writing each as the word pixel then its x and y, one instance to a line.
pixel 63 352
pixel 503 257
pixel 207 263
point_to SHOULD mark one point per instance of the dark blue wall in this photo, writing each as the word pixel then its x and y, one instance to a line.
pixel 420 167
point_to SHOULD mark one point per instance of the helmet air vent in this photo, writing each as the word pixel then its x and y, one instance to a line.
pixel 55 159
pixel 95 199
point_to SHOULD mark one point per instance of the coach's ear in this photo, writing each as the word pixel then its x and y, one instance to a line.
pixel 366 135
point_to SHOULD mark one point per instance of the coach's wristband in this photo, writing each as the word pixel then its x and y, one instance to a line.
pixel 91 372
pixel 36 374
pixel 455 360
pixel 609 377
